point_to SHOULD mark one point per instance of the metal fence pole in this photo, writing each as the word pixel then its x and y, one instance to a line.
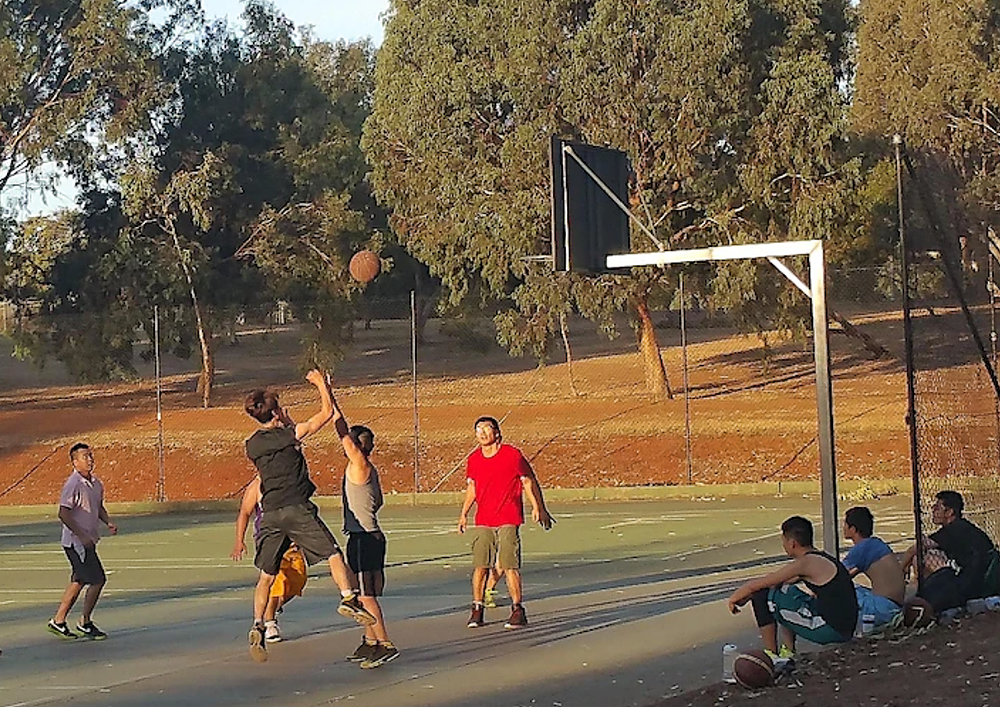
pixel 687 386
pixel 161 481
pixel 416 409
pixel 911 399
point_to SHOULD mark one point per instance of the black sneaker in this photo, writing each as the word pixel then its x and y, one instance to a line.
pixel 351 608
pixel 518 619
pixel 61 630
pixel 362 652
pixel 258 650
pixel 476 619
pixel 383 653
pixel 89 630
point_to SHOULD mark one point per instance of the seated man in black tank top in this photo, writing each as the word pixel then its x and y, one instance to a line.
pixel 812 596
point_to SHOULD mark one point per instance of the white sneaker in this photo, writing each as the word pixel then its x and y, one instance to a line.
pixel 272 634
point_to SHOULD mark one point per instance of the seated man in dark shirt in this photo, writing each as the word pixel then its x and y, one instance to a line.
pixel 812 596
pixel 970 557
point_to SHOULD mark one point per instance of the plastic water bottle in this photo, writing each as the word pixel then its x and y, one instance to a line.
pixel 867 624
pixel 729 653
pixel 976 606
pixel 949 615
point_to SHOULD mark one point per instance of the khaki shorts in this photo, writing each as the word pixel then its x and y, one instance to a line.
pixel 503 542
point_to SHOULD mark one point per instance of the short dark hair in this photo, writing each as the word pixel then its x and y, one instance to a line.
pixel 363 437
pixel 261 405
pixel 798 529
pixel 861 519
pixel 76 448
pixel 491 420
pixel 952 500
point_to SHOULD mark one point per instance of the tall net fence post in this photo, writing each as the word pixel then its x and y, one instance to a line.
pixel 956 428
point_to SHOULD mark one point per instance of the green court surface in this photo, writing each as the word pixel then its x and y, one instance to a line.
pixel 625 603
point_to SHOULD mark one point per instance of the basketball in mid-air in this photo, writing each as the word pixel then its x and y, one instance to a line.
pixel 918 613
pixel 753 669
pixel 365 266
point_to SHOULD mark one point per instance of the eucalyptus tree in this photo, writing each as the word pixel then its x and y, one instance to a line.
pixel 76 78
pixel 930 72
pixel 258 181
pixel 732 114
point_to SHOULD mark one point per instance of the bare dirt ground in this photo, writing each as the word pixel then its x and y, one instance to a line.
pixel 956 665
pixel 747 417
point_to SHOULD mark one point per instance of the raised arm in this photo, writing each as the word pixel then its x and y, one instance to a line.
pixel 316 422
pixel 358 469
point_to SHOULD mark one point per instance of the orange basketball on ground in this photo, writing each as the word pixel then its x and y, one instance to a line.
pixel 753 669
pixel 365 266
pixel 918 613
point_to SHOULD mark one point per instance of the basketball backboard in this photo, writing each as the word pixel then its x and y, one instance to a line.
pixel 588 223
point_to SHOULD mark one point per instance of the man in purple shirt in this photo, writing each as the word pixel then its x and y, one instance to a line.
pixel 81 510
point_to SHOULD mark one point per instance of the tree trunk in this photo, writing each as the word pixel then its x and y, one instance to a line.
pixel 207 376
pixel 425 305
pixel 656 372
pixel 564 330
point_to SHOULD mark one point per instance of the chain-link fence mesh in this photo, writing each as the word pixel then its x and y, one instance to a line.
pixel 953 315
pixel 747 413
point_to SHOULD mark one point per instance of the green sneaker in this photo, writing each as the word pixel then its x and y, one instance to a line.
pixel 89 630
pixel 61 630
pixel 490 601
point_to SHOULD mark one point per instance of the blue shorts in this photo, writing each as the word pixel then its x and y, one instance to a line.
pixel 882 608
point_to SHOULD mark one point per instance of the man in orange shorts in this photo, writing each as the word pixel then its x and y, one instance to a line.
pixel 291 578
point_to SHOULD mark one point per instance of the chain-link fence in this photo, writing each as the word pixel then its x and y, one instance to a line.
pixel 741 408
pixel 952 312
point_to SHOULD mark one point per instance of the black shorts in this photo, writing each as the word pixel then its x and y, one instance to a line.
pixel 300 524
pixel 88 569
pixel 366 558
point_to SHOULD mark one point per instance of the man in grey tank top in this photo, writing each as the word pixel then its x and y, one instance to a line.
pixel 362 499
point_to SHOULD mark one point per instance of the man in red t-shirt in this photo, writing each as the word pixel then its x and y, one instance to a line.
pixel 496 475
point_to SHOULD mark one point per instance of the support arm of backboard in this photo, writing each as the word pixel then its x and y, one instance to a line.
pixel 568 150
pixel 821 344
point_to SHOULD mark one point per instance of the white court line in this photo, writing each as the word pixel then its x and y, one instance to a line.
pixel 645 520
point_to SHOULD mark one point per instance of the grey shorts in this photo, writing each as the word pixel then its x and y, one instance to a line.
pixel 300 524
pixel 504 543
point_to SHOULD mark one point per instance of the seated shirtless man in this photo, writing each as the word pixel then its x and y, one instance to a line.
pixel 872 557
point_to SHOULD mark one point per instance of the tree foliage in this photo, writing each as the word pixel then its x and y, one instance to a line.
pixel 76 78
pixel 248 186
pixel 731 112
pixel 930 71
